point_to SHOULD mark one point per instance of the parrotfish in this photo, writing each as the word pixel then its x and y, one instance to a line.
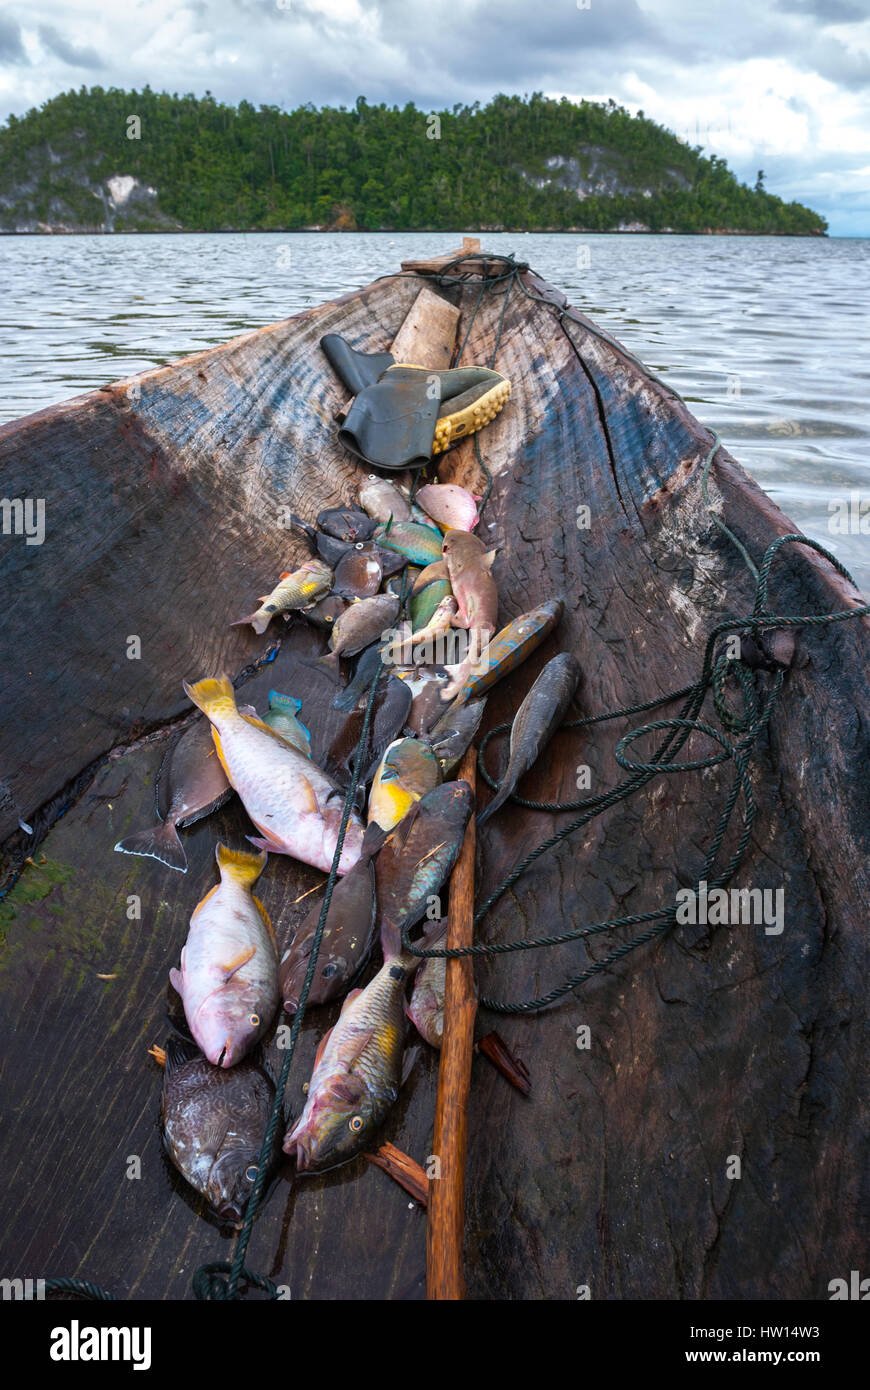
pixel 346 523
pixel 358 574
pixel 427 685
pixel 437 570
pixel 416 858
pixel 348 937
pixel 407 771
pixel 451 506
pixel 440 621
pixel 214 1123
pixel 425 1008
pixel 537 719
pixel 453 733
pixel 297 590
pixel 360 625
pixel 190 785
pixel 281 716
pixel 292 802
pixel 358 1069
pixel 382 500
pixel 368 664
pixel 423 605
pixel 228 979
pixel 419 544
pixel 468 567
pixel 506 651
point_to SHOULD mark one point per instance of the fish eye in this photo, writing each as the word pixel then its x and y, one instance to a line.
pixel 251 1172
pixel 254 1020
pixel 355 1123
pixel 329 970
pixel 358 546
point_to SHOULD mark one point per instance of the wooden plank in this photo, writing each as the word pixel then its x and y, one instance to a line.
pixel 427 337
pixel 445 1226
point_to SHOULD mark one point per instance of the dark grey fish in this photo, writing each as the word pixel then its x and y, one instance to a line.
pixel 327 612
pixel 426 684
pixel 190 785
pixel 361 684
pixel 537 719
pixel 331 550
pixel 213 1121
pixel 452 735
pixel 391 561
pixel 346 524
pixel 348 937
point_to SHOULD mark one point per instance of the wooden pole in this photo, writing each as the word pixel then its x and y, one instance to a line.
pixel 446 1212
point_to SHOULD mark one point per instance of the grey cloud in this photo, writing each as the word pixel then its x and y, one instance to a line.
pixel 11 47
pixel 66 51
pixel 825 11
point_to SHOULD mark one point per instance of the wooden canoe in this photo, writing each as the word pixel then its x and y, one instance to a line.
pixel 163 520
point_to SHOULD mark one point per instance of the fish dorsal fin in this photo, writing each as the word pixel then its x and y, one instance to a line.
pixel 267 920
pixel 220 752
pixel 201 904
pixel 321 1048
pixel 285 574
pixel 409 1061
pixel 235 965
pixel 404 828
pixel 349 998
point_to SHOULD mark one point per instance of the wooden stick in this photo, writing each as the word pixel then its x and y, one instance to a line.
pixel 426 338
pixel 446 1213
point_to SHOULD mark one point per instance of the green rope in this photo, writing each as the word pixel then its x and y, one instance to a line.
pixel 750 723
pixel 82 1287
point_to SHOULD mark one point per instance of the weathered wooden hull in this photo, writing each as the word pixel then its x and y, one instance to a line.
pixel 163 521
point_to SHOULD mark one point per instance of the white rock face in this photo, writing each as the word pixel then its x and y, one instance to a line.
pixel 120 187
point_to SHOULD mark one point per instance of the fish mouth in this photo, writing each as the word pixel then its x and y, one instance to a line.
pixel 230 1212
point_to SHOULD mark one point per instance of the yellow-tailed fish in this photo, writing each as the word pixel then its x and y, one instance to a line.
pixel 297 589
pixel 228 979
pixel 292 802
pixel 407 771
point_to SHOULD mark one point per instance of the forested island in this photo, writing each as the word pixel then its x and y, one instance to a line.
pixel 110 160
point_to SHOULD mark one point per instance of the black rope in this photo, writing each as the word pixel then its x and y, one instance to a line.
pixel 750 723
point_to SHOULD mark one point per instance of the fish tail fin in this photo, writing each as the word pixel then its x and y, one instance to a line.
pixel 259 622
pixel 496 804
pixel 391 939
pixel 331 663
pixel 213 696
pixel 159 842
pixel 286 702
pixel 239 864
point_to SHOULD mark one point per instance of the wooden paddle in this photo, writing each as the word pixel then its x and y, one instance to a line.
pixel 446 1211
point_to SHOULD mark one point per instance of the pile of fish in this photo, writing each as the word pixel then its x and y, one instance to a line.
pixel 405 587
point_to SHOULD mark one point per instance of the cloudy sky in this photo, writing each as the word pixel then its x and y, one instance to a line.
pixel 782 85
